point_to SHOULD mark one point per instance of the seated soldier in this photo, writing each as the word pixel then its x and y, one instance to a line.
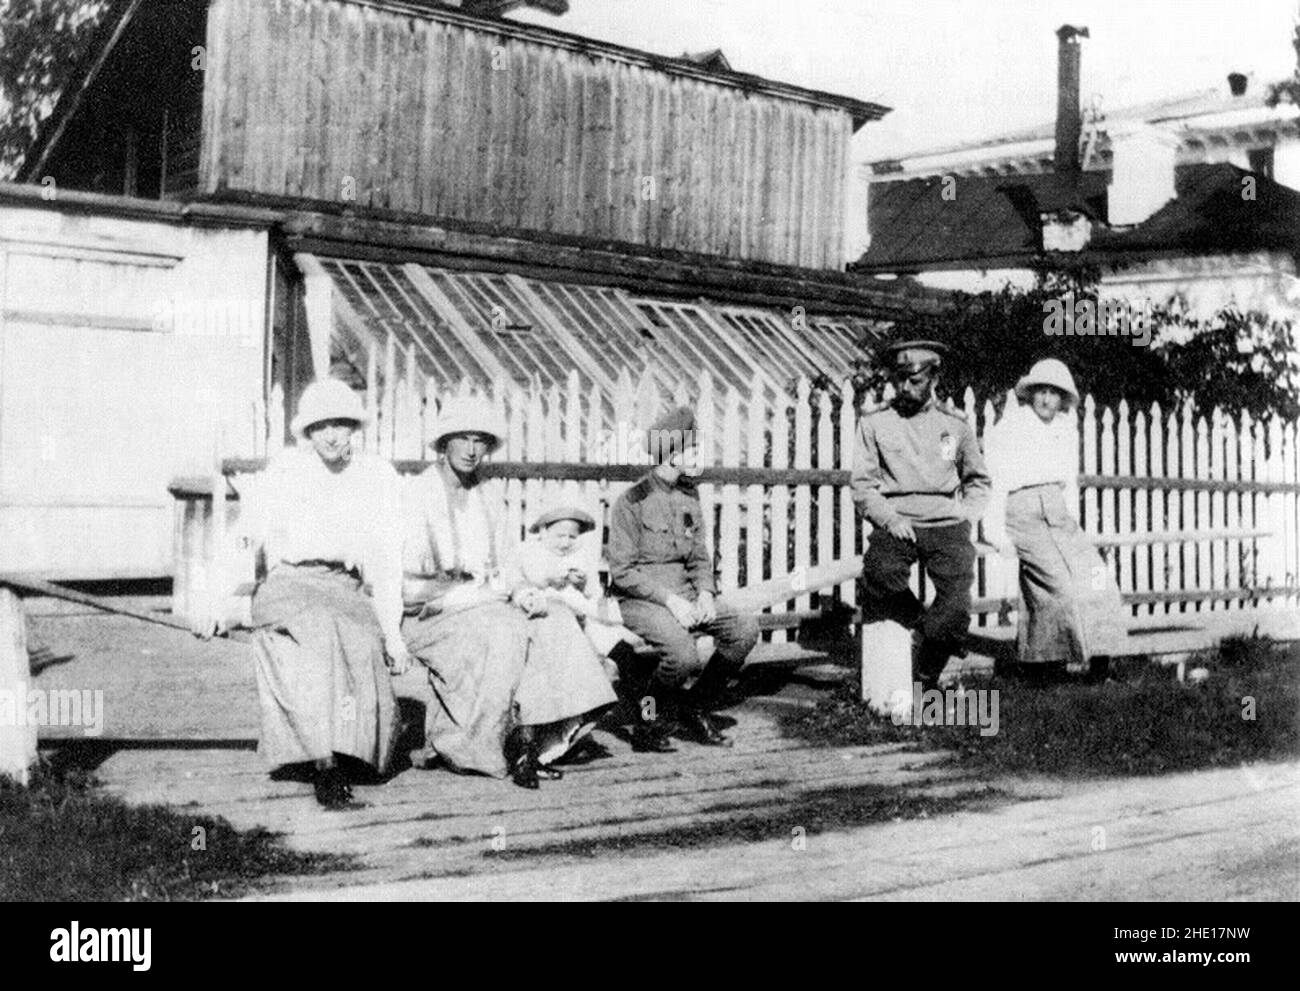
pixel 661 570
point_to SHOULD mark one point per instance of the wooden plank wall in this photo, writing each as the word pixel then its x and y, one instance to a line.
pixel 335 100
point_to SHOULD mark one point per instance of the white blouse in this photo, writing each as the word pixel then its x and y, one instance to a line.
pixel 1021 450
pixel 300 510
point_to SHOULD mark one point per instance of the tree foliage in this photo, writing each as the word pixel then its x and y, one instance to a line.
pixel 41 42
pixel 1239 361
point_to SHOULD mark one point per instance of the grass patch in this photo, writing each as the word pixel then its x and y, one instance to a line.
pixel 62 839
pixel 772 821
pixel 1144 722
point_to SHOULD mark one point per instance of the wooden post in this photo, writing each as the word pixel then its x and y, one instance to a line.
pixel 1186 503
pixel 275 420
pixel 1107 526
pixel 755 539
pixel 1088 435
pixel 318 302
pixel 388 404
pixel 729 535
pixel 803 438
pixel 1124 497
pixel 848 512
pixel 1204 579
pixel 825 493
pixel 1159 515
pixel 1218 502
pixel 17 737
pixel 780 501
pixel 1232 549
pixel 1141 516
pixel 707 444
pixel 1291 519
pixel 371 429
pixel 216 584
pixel 886 655
pixel 514 449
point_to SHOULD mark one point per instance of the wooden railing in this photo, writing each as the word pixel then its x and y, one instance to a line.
pixel 1193 513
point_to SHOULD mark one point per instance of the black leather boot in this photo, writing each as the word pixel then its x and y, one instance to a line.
pixel 649 732
pixel 521 759
pixel 931 660
pixel 695 724
pixel 333 791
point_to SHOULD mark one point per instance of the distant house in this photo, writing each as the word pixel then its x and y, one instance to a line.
pixel 1159 199
pixel 236 196
pixel 1233 123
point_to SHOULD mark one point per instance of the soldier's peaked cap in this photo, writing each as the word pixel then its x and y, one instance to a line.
pixel 915 355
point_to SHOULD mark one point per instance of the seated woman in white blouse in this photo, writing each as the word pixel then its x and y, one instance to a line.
pixel 1071 611
pixel 326 515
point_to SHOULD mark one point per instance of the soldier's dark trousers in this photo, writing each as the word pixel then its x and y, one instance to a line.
pixel 676 659
pixel 947 557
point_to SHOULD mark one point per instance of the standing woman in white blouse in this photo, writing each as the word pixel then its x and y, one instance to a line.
pixel 1071 611
pixel 328 613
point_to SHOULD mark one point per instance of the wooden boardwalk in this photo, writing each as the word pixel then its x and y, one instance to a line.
pixel 187 713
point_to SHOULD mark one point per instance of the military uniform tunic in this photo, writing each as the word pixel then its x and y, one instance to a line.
pixel 657 549
pixel 656 543
pixel 925 469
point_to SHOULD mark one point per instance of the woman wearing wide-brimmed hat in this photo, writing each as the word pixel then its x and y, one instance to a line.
pixel 468 607
pixel 326 517
pixel 1071 609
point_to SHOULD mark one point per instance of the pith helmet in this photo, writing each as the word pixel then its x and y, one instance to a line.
pixel 1051 372
pixel 468 415
pixel 327 399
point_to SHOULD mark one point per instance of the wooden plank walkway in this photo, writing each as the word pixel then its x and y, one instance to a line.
pixel 436 834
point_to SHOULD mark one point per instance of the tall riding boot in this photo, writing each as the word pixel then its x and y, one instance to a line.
pixel 931 659
pixel 695 724
pixel 521 757
pixel 706 694
pixel 649 732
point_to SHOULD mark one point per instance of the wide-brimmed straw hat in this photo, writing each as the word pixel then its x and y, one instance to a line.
pixel 327 399
pixel 1051 372
pixel 584 519
pixel 468 415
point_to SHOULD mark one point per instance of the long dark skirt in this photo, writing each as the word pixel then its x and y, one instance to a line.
pixel 322 683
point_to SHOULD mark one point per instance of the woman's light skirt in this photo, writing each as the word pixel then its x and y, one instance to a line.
pixel 1071 609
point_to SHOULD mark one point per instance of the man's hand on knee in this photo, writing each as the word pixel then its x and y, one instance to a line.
pixel 706 610
pixel 682 611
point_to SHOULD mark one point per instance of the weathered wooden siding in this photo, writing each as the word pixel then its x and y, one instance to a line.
pixel 338 100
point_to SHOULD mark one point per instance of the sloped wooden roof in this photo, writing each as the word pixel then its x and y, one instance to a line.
pixel 995 221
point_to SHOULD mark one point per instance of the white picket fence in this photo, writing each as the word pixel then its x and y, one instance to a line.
pixel 1198 512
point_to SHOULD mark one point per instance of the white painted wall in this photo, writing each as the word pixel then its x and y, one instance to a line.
pixel 126 347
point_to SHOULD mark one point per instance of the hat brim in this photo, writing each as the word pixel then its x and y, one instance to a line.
pixel 1027 385
pixel 299 427
pixel 585 523
pixel 440 442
